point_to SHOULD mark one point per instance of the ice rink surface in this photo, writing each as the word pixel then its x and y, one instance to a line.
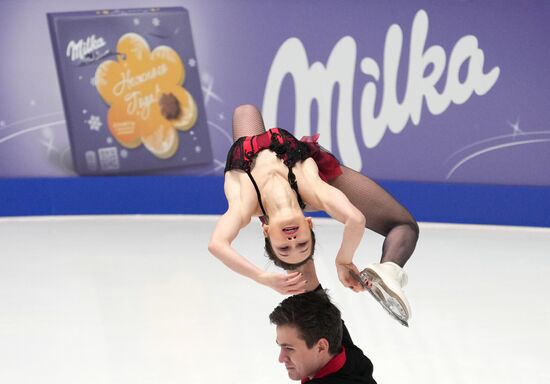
pixel 138 299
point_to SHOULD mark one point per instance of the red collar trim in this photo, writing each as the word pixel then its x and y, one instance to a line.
pixel 334 365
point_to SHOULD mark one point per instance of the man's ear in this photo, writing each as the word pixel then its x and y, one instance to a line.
pixel 322 345
pixel 265 229
pixel 310 222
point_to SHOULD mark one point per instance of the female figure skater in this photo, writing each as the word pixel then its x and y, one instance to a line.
pixel 275 176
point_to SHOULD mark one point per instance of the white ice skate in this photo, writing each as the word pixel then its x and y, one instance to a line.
pixel 387 280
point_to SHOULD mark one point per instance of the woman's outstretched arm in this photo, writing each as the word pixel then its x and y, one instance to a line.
pixel 324 197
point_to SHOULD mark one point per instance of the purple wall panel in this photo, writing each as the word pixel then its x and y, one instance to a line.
pixel 449 92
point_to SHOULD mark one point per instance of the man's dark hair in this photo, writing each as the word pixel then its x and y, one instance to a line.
pixel 287 266
pixel 314 317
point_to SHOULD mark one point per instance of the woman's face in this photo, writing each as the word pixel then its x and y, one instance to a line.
pixel 290 237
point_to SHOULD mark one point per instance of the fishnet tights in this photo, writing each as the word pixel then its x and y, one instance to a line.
pixel 247 121
pixel 383 213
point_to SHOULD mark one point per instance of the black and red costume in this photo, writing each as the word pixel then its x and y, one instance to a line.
pixel 289 149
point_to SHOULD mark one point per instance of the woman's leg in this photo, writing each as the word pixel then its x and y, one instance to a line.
pixel 387 217
pixel 247 121
pixel 383 214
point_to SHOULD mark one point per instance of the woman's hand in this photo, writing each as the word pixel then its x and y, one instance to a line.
pixel 287 284
pixel 345 274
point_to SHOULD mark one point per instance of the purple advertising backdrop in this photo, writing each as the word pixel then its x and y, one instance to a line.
pixel 452 91
pixel 423 91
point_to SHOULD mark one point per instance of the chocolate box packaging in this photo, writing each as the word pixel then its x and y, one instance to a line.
pixel 131 90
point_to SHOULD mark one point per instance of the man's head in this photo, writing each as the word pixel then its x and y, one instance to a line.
pixel 309 333
pixel 289 243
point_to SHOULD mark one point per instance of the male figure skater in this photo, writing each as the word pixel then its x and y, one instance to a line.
pixel 315 345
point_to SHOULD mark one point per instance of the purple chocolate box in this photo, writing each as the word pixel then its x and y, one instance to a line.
pixel 131 90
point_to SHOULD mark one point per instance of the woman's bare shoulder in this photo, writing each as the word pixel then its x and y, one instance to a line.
pixel 310 184
pixel 240 192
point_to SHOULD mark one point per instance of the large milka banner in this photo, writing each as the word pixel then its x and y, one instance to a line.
pixel 436 91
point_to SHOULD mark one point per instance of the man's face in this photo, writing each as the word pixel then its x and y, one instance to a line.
pixel 299 360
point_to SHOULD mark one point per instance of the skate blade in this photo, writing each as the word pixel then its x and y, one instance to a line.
pixel 378 291
pixel 389 308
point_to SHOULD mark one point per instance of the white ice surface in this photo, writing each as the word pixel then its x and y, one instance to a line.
pixel 138 299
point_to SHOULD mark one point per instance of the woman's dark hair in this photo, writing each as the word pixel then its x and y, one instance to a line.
pixel 287 266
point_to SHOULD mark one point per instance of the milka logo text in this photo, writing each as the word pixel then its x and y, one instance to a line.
pixel 426 67
pixel 84 50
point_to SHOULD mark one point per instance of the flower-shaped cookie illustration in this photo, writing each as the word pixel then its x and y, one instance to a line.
pixel 147 100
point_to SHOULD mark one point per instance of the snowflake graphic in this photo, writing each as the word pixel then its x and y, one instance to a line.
pixel 156 21
pixel 94 122
pixel 136 21
pixel 192 62
pixel 207 85
pixel 50 147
